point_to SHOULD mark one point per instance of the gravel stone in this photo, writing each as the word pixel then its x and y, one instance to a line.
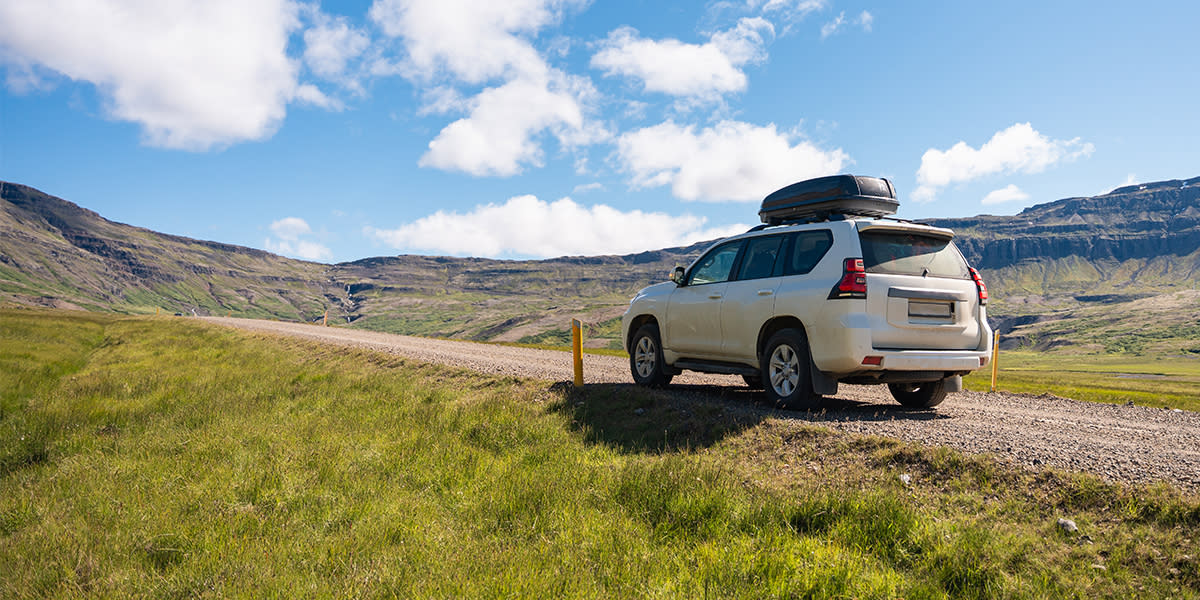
pixel 1119 443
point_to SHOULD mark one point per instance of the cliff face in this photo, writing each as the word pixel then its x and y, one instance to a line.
pixel 1130 223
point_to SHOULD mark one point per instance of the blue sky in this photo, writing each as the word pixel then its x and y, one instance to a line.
pixel 334 131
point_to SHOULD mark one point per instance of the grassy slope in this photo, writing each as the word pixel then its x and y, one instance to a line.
pixel 162 457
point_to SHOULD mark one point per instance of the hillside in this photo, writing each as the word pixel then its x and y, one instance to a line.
pixel 54 253
pixel 1079 273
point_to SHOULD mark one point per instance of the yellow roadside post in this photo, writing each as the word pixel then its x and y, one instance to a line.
pixel 156 311
pixel 995 359
pixel 325 321
pixel 577 350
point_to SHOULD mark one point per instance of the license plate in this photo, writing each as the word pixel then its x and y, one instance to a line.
pixel 930 310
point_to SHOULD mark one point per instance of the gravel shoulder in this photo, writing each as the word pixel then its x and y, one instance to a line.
pixel 1127 444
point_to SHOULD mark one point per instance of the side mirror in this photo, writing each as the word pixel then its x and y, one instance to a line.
pixel 678 275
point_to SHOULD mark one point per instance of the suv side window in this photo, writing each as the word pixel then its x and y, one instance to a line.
pixel 761 256
pixel 716 266
pixel 806 250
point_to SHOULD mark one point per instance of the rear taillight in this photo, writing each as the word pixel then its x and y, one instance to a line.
pixel 983 295
pixel 854 280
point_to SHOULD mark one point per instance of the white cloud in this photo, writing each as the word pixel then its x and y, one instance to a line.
pixel 584 188
pixel 193 75
pixel 473 41
pixel 329 47
pixel 1018 149
pixel 307 93
pixel 679 69
pixel 864 20
pixel 290 228
pixel 790 10
pixel 501 134
pixel 527 226
pixel 290 232
pixel 1009 193
pixel 730 161
pixel 833 26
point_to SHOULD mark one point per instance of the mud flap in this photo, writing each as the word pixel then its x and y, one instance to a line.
pixel 822 384
pixel 953 384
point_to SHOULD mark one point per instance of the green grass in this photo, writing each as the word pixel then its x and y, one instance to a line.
pixel 1159 381
pixel 167 457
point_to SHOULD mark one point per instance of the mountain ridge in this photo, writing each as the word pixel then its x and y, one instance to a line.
pixel 1131 243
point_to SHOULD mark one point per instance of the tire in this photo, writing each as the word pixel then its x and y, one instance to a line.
pixel 754 382
pixel 645 358
pixel 786 375
pixel 926 394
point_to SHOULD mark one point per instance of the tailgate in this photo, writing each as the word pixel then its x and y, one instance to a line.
pixel 923 313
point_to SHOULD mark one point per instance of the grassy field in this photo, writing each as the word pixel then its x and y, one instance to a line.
pixel 1160 381
pixel 144 457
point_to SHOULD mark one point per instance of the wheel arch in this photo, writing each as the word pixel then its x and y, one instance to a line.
pixel 773 326
pixel 635 324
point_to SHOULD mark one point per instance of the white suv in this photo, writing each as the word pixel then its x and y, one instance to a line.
pixel 819 294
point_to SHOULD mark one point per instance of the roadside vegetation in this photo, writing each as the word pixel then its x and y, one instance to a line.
pixel 1156 381
pixel 165 457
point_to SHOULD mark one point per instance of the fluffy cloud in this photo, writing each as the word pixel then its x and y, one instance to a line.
pixel 1009 193
pixel 501 134
pixel 476 43
pixel 194 75
pixel 289 233
pixel 730 161
pixel 673 67
pixel 1018 149
pixel 329 47
pixel 527 226
pixel 473 41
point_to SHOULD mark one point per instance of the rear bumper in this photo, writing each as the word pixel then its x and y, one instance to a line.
pixel 839 348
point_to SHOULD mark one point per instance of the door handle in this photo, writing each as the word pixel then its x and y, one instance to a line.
pixel 714 296
pixel 765 292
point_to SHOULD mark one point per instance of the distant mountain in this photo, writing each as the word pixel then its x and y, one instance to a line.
pixel 1076 258
pixel 54 253
pixel 1136 239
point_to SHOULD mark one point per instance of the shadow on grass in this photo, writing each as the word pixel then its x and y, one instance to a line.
pixel 681 417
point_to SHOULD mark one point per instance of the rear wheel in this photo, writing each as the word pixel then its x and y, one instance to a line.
pixel 645 358
pixel 787 380
pixel 926 394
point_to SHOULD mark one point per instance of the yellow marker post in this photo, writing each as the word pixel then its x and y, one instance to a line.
pixel 577 350
pixel 325 321
pixel 995 359
pixel 156 309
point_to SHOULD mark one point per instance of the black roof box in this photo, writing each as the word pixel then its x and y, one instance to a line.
pixel 817 199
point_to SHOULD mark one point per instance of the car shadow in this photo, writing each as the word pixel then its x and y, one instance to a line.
pixel 638 420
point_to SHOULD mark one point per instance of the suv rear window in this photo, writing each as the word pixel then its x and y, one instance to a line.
pixel 903 253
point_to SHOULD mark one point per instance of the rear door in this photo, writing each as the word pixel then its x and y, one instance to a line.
pixel 920 294
pixel 750 301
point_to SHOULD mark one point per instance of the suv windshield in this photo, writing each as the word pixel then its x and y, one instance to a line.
pixel 905 253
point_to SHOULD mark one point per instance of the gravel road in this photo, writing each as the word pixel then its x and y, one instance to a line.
pixel 1129 444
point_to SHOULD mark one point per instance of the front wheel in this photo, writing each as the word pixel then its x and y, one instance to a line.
pixel 926 394
pixel 786 374
pixel 646 359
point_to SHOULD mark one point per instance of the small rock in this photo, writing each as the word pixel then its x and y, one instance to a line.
pixel 1099 567
pixel 906 479
pixel 1177 410
pixel 639 411
pixel 1130 403
pixel 1067 525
